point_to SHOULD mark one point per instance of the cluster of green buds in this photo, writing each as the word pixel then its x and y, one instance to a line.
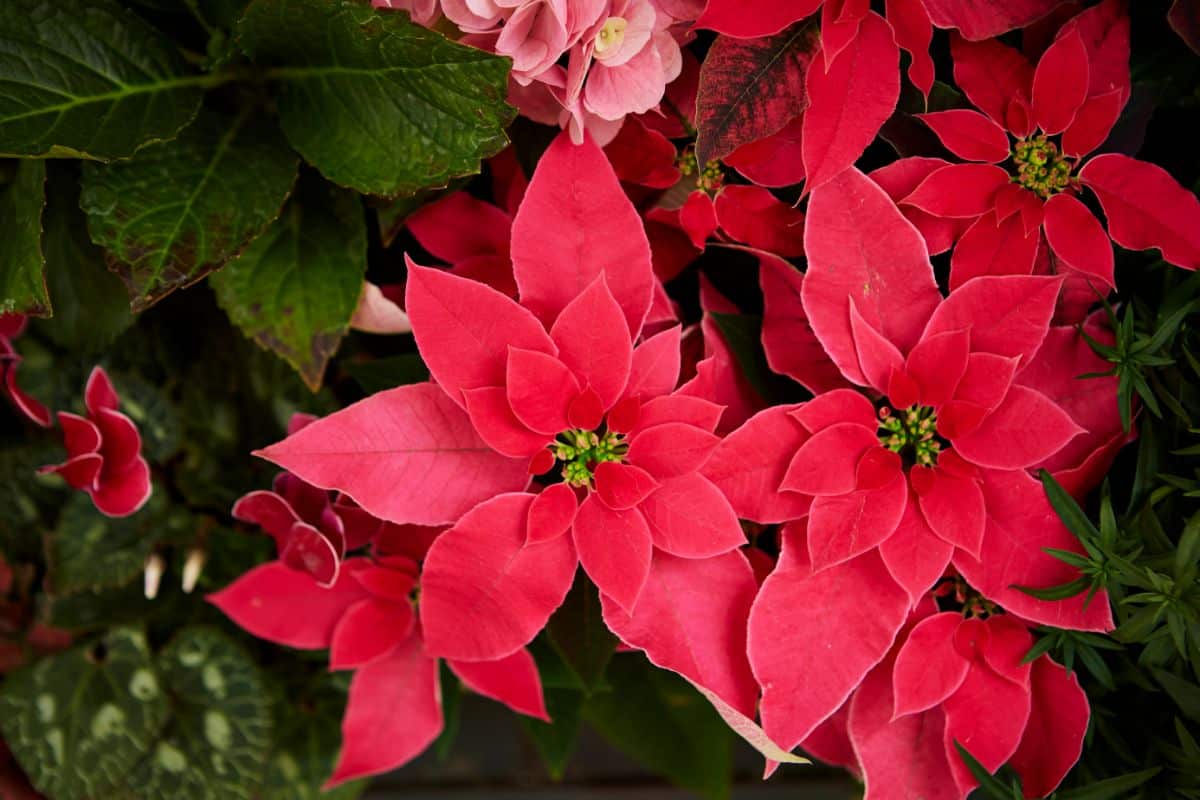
pixel 1040 167
pixel 912 432
pixel 582 451
pixel 709 179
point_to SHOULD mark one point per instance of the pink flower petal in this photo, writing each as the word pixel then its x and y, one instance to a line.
pixel 267 510
pixel 937 364
pixel 376 313
pixel 986 716
pixel 593 343
pixel 512 680
pixel 623 486
pixel 791 347
pixel 989 247
pixel 614 549
pixel 369 630
pixel 551 513
pixel 99 392
pixel 306 550
pixel 1060 83
pixel 679 408
pixel 914 555
pixel 654 370
pixel 959 190
pixel 540 388
pixel 928 668
pixel 878 359
pixel 969 134
pixel 749 466
pixel 689 517
pixel 953 506
pixel 493 418
pixel 827 464
pixel 843 527
pixel 671 449
pixel 1025 429
pixel 1053 737
pixel 1008 315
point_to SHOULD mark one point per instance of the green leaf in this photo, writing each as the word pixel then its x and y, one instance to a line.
pixel 295 289
pixel 1185 693
pixel 89 551
pixel 216 743
pixel 22 275
pixel 988 783
pixel 373 101
pixel 79 721
pixel 580 636
pixel 156 417
pixel 90 304
pixel 181 209
pixel 1111 788
pixel 306 742
pixel 555 741
pixel 387 373
pixel 1067 509
pixel 89 79
pixel 662 722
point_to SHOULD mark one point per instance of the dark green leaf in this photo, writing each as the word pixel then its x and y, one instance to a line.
pixel 88 79
pixel 1185 693
pixel 661 721
pixel 79 721
pixel 89 551
pixel 387 373
pixel 579 634
pixel 1067 509
pixel 215 745
pixel 987 782
pixel 1111 788
pixel 373 101
pixel 181 209
pixel 22 278
pixel 452 693
pixel 306 742
pixel 294 290
pixel 555 741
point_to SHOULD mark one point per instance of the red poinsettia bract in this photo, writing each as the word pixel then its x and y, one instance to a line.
pixel 104 451
pixel 12 326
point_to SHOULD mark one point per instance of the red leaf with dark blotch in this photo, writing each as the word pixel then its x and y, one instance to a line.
pixel 983 19
pixel 952 506
pixel 914 555
pixel 878 359
pixel 959 190
pixel 751 88
pixel 754 216
pixel 493 418
pixel 99 393
pixel 614 548
pixel 1104 29
pixel 689 517
pixel 307 550
pixel 849 103
pixel 671 449
pixel 993 248
pixel 1184 17
pixel 408 454
pixel 393 713
pixel 900 758
pixel 928 668
pixel 1146 207
pixel 937 364
pixel 484 592
pixel 464 329
pixel 277 603
pixel 827 464
pixel 623 486
pixel 986 716
pixel 574 224
pixel 899 179
pixel 654 368
pixel 997 79
pixel 1078 240
pixel 1020 525
pixel 1024 430
pixel 1008 315
pixel 843 527
pixel 512 680
pixel 643 156
pixel 368 631
pixel 592 342
pixel 753 19
pixel 860 246
pixel 1053 737
pixel 551 513
pixel 539 389
pixel 862 609
pixel 458 226
pixel 1060 83
pixel 691 619
pixel 910 22
pixel 790 345
pixel 775 160
pixel 749 465
pixel 969 134
pixel 1092 124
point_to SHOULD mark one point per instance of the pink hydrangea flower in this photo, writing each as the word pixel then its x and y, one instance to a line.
pixel 104 452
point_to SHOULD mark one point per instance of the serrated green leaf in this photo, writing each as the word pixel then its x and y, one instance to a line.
pixel 80 720
pixel 90 305
pixel 22 267
pixel 661 721
pixel 580 636
pixel 400 108
pixel 216 743
pixel 295 289
pixel 88 79
pixel 181 209
pixel 89 551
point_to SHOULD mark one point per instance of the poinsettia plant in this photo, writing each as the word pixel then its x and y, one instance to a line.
pixel 810 381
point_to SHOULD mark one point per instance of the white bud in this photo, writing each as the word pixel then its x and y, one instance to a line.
pixel 152 575
pixel 192 568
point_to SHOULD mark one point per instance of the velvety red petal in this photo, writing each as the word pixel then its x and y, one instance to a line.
pixel 991 247
pixel 369 630
pixel 984 384
pixel 994 76
pixel 586 410
pixel 464 329
pixel 751 19
pixel 914 31
pixel 827 463
pixel 850 101
pixel 1060 83
pixel 840 20
pixel 986 716
pixel 394 583
pixel 80 472
pixel 120 494
pixel 306 550
pixel 774 161
pixel 1008 315
pixel 969 134
pixel 754 216
pixel 593 343
pixel 120 441
pixel 984 20
pixel 914 555
pixel 1053 737
pixel 679 408
pixel 99 392
pixel 898 179
pixel 830 408
pixel 539 388
pixel 1025 429
pixel 407 454
pixel 574 224
pixel 860 246
pixel 459 226
pixel 393 713
pixel 840 528
pixel 642 156
pixel 937 364
pixel 1105 31
pixel 788 340
pixel 497 425
pixel 654 369
pixel 671 449
pixel 30 406
pixel 690 517
pixel 959 190
pixel 698 218
pixel 267 510
pixel 551 513
pixel 623 486
pixel 1146 207
pixel 512 680
pixel 749 465
pixel 928 668
pixel 953 506
pixel 614 548
pixel 80 434
pixel 279 604
pixel 878 358
pixel 1093 122
pixel 691 619
pixel 1078 240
